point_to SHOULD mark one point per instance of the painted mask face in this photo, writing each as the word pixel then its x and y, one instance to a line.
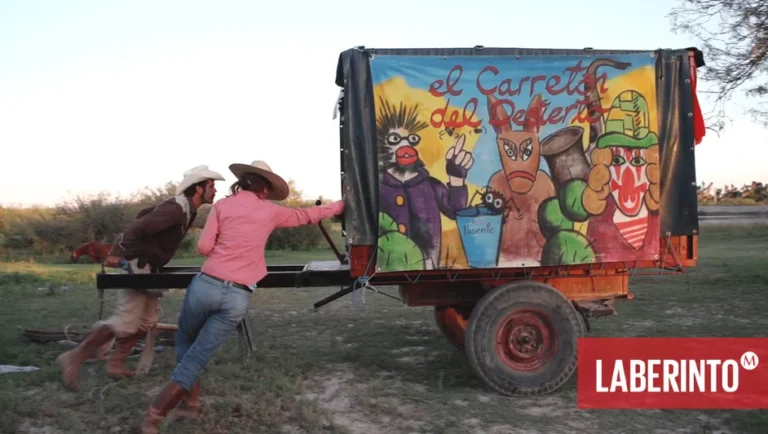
pixel 397 135
pixel 519 150
pixel 519 154
pixel 402 147
pixel 628 178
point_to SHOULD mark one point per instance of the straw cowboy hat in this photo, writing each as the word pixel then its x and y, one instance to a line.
pixel 195 175
pixel 279 190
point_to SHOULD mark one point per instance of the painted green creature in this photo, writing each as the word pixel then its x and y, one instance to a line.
pixel 396 252
pixel 565 245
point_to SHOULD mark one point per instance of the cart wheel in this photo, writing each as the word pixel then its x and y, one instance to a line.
pixel 521 339
pixel 452 321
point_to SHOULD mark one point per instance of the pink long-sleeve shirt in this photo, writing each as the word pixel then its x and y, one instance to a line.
pixel 237 229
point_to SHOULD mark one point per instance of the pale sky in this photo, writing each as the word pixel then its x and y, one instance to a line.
pixel 114 96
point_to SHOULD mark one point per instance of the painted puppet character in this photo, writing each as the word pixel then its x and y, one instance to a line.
pixel 521 183
pixel 620 197
pixel 623 185
pixel 408 194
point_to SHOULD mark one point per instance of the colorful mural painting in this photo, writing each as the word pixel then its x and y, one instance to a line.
pixel 490 162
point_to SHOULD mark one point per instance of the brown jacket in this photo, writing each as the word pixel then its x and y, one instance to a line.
pixel 157 232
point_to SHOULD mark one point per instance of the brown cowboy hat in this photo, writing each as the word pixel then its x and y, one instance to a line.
pixel 279 190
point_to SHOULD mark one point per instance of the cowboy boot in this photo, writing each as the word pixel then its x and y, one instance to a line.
pixel 166 401
pixel 116 362
pixel 71 361
pixel 190 407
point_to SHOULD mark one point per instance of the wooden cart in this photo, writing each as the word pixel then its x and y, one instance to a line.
pixel 515 190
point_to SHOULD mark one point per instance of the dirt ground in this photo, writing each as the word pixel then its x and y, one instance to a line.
pixel 378 367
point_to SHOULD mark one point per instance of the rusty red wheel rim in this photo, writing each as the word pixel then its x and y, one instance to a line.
pixel 526 340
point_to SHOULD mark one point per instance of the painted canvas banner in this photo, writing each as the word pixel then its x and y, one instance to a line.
pixel 492 162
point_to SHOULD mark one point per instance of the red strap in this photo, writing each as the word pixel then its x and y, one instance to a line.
pixel 699 129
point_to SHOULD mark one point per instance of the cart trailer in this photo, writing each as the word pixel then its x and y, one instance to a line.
pixel 514 190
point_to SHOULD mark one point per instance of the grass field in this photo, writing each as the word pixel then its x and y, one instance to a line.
pixel 382 369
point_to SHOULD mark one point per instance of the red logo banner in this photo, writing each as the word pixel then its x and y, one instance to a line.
pixel 673 373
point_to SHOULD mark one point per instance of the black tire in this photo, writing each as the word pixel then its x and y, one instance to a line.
pixel 546 312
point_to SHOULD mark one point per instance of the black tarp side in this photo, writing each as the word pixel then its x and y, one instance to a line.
pixel 679 203
pixel 358 147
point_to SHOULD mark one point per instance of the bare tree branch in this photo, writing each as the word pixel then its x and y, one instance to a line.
pixel 734 41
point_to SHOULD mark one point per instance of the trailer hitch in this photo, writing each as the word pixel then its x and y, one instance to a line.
pixel 362 284
pixel 344 291
pixel 342 258
pixel 359 283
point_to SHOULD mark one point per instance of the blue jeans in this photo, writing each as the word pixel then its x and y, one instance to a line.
pixel 211 312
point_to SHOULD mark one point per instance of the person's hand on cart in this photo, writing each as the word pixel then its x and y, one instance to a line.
pixel 344 191
pixel 113 261
pixel 118 262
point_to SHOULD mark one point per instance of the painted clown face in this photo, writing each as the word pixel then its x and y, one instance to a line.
pixel 628 136
pixel 629 182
